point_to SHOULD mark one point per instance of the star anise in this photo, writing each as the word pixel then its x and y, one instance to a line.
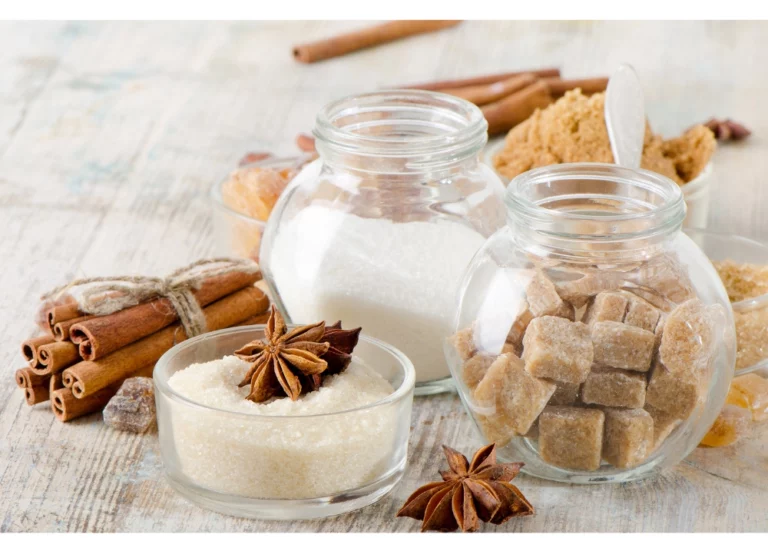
pixel 289 363
pixel 469 492
pixel 727 129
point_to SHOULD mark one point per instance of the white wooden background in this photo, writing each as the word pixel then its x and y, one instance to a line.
pixel 111 134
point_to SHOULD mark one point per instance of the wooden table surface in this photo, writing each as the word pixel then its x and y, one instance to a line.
pixel 111 135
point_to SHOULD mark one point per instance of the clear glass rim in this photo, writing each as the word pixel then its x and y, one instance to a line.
pixel 470 137
pixel 161 379
pixel 668 215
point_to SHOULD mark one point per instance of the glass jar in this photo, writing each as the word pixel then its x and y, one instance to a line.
pixel 377 232
pixel 594 340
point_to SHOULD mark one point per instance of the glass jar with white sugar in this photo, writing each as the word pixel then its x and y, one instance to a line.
pixel 378 231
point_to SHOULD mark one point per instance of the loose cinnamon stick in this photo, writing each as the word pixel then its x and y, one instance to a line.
pixel 61 313
pixel 55 357
pixel 516 108
pixel 488 93
pixel 88 377
pixel 61 329
pixel 101 335
pixel 367 37
pixel 29 348
pixel 36 395
pixel 258 319
pixel 441 85
pixel 27 377
pixel 558 86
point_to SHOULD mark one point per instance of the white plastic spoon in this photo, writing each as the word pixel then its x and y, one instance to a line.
pixel 625 116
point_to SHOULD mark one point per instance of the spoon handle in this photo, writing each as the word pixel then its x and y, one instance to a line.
pixel 625 116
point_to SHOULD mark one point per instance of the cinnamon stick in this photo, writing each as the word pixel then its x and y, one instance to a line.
pixel 88 377
pixel 367 37
pixel 441 85
pixel 101 335
pixel 488 93
pixel 258 319
pixel 61 329
pixel 29 348
pixel 35 395
pixel 60 313
pixel 66 407
pixel 55 383
pixel 55 357
pixel 558 86
pixel 27 377
pixel 516 108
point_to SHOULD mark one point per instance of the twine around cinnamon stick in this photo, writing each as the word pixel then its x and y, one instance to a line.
pixel 102 296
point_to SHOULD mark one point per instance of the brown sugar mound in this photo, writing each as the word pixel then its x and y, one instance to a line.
pixel 573 130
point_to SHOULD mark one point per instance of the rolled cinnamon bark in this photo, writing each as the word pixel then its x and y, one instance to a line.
pixel 101 335
pixel 27 377
pixel 258 319
pixel 66 407
pixel 60 313
pixel 55 383
pixel 55 357
pixel 367 37
pixel 88 377
pixel 441 85
pixel 558 86
pixel 29 348
pixel 516 108
pixel 488 93
pixel 35 395
pixel 61 329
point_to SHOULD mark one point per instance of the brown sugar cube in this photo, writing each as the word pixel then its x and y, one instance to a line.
pixel 508 399
pixel 571 437
pixel 628 437
pixel 641 313
pixel 533 431
pixel 474 368
pixel 558 349
pixel 578 292
pixel 687 343
pixel 667 277
pixel 565 393
pixel 622 346
pixel 464 342
pixel 675 393
pixel 517 331
pixel 543 299
pixel 663 424
pixel 612 387
pixel 606 306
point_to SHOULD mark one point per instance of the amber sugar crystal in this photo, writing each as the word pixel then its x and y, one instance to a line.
pixel 750 392
pixel 571 437
pixel 732 424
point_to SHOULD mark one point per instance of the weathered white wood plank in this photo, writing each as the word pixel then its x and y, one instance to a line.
pixel 111 135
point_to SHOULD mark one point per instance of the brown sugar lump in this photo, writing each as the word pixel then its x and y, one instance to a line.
pixel 612 387
pixel 517 331
pixel 606 306
pixel 565 393
pixel 677 393
pixel 663 424
pixel 628 437
pixel 668 278
pixel 689 338
pixel 473 369
pixel 558 349
pixel 509 399
pixel 543 299
pixel 579 291
pixel 641 313
pixel 622 346
pixel 464 342
pixel 571 437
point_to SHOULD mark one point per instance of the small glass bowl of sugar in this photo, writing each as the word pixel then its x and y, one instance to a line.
pixel 333 450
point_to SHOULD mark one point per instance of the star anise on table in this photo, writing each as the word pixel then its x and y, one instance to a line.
pixel 469 493
pixel 727 129
pixel 287 363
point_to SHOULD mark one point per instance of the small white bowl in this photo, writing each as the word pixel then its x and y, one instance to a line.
pixel 696 193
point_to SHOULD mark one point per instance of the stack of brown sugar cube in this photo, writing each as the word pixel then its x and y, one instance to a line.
pixel 603 377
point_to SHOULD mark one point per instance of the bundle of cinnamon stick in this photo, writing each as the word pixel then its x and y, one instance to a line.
pixel 81 360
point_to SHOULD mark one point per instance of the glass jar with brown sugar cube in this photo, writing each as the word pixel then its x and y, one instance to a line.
pixel 594 340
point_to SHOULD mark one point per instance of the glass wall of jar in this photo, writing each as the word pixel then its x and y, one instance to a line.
pixel 378 231
pixel 594 340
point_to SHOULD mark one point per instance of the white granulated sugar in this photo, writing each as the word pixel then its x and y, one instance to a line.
pixel 279 452
pixel 397 280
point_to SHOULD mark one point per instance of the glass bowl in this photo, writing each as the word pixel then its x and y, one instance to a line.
pixel 696 193
pixel 592 339
pixel 752 355
pixel 235 233
pixel 282 467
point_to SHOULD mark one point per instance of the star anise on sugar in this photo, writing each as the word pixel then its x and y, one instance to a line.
pixel 339 354
pixel 469 493
pixel 727 129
